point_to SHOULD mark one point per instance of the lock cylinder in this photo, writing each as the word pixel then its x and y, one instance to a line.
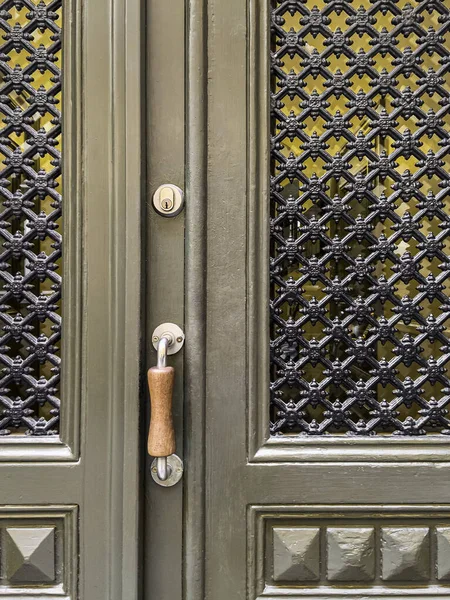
pixel 168 200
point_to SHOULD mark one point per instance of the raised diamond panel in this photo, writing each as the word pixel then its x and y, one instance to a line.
pixel 443 553
pixel 405 553
pixel 296 554
pixel 30 554
pixel 39 551
pixel 350 554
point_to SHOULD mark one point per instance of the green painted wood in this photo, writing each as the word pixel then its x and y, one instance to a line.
pixel 164 290
pixel 363 498
pixel 227 82
pixel 95 467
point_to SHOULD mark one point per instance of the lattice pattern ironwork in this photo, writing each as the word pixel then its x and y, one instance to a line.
pixel 30 184
pixel 360 217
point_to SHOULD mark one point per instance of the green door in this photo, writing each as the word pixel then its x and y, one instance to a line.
pixel 70 199
pixel 311 139
pixel 309 272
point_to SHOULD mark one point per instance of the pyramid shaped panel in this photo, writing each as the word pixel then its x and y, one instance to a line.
pixel 405 553
pixel 30 554
pixel 296 554
pixel 443 553
pixel 351 555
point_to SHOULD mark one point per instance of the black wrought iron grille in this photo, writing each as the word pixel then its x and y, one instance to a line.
pixel 30 196
pixel 360 217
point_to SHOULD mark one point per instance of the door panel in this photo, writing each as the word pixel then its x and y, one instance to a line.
pixel 314 427
pixel 70 308
pixel 375 551
pixel 302 515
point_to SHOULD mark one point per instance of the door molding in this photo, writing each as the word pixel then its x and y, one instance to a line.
pixel 195 298
pixel 263 448
pixel 113 64
pixel 266 522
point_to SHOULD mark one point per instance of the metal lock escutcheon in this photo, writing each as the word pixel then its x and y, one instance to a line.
pixel 168 200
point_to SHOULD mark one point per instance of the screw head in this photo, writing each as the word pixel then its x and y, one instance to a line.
pixel 179 339
pixel 155 338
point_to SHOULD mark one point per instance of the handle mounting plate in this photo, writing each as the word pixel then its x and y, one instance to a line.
pixel 173 332
pixel 175 467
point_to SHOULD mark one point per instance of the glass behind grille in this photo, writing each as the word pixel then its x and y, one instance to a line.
pixel 360 217
pixel 30 221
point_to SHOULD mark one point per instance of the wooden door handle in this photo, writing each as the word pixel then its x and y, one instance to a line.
pixel 161 435
pixel 167 468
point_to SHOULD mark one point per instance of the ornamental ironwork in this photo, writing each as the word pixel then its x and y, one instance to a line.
pixel 360 217
pixel 30 197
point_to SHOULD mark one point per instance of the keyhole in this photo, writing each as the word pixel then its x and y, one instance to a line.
pixel 166 203
pixel 167 199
